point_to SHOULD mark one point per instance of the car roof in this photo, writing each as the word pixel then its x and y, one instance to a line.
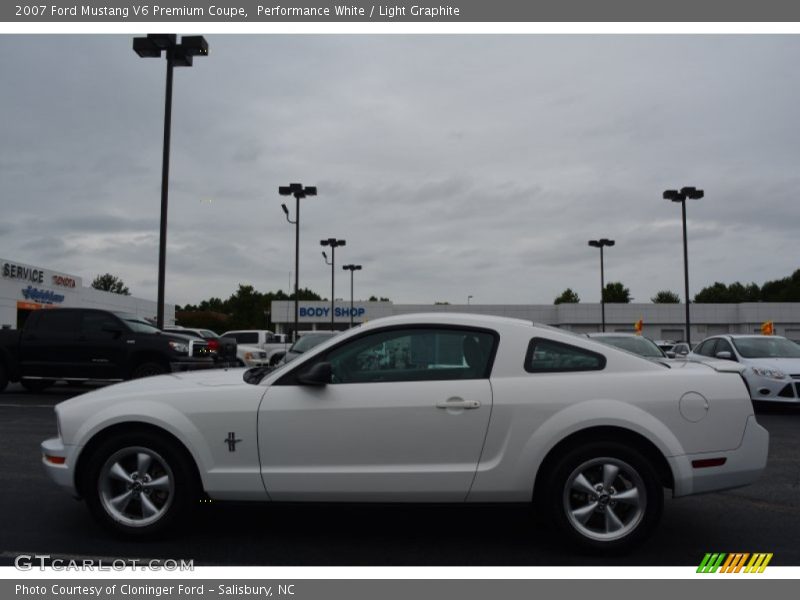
pixel 598 334
pixel 739 336
pixel 450 318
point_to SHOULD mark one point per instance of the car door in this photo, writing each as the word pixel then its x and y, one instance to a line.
pixel 403 418
pixel 47 347
pixel 101 347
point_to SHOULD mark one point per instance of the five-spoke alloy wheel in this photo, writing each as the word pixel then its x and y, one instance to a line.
pixel 139 483
pixel 605 496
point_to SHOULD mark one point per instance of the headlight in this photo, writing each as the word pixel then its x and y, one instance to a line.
pixel 248 356
pixel 768 373
pixel 179 347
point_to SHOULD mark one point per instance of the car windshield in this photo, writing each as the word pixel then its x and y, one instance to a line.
pixel 307 342
pixel 766 347
pixel 208 334
pixel 637 345
pixel 137 323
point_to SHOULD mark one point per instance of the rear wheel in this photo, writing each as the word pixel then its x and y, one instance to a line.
pixel 3 377
pixel 139 484
pixel 605 496
pixel 148 369
pixel 36 386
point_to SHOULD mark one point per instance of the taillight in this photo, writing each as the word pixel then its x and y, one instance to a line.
pixel 213 345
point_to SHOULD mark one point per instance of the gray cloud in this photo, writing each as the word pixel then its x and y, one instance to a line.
pixel 453 165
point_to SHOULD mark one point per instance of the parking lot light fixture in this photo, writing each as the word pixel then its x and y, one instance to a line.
pixel 332 243
pixel 690 193
pixel 352 269
pixel 177 55
pixel 298 191
pixel 602 243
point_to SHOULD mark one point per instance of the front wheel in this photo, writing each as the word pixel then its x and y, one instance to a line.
pixel 605 496
pixel 139 484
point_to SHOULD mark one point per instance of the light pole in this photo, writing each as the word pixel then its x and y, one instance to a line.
pixel 352 269
pixel 691 193
pixel 298 191
pixel 601 243
pixel 333 243
pixel 178 55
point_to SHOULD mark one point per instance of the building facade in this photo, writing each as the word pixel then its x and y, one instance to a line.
pixel 660 321
pixel 24 288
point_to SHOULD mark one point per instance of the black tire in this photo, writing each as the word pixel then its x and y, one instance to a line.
pixel 3 377
pixel 148 369
pixel 611 524
pixel 167 459
pixel 275 359
pixel 36 386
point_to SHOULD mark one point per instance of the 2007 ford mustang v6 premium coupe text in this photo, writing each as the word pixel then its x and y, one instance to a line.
pixel 419 408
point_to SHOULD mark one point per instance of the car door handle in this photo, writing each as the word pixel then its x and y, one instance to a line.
pixel 458 403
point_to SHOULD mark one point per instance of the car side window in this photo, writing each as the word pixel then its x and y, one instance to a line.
pixel 707 347
pixel 250 337
pixel 97 326
pixel 419 354
pixel 548 356
pixel 54 321
pixel 724 346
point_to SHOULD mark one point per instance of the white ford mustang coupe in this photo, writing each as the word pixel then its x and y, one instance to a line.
pixel 419 408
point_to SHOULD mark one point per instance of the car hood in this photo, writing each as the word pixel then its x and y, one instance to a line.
pixel 160 386
pixel 790 366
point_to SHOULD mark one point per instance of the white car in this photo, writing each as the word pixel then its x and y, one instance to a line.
pixel 274 344
pixel 771 363
pixel 455 408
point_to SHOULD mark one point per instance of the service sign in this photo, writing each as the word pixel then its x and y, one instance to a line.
pixel 30 276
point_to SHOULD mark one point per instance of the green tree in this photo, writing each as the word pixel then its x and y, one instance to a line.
pixel 782 290
pixel 615 292
pixel 567 297
pixel 665 297
pixel 728 294
pixel 110 283
pixel 376 299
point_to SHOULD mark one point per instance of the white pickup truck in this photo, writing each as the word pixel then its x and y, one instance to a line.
pixel 274 344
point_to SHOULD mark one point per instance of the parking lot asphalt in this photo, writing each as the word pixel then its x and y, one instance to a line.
pixel 36 517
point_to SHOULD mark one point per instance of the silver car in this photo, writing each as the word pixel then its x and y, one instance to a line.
pixel 637 344
pixel 772 363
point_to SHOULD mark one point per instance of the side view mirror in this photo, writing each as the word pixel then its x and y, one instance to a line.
pixel 725 355
pixel 319 374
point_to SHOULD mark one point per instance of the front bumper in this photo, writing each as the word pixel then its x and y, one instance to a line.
pixel 743 465
pixel 53 452
pixel 773 390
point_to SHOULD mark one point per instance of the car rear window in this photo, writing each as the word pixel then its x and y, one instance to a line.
pixel 246 337
pixel 549 356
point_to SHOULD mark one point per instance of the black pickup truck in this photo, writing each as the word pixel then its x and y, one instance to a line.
pixel 84 344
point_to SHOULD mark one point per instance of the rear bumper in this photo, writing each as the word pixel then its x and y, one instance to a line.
pixel 743 465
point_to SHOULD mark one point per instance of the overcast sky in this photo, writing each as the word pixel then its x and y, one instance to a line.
pixel 453 165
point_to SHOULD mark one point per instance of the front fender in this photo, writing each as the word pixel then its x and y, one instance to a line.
pixel 152 413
